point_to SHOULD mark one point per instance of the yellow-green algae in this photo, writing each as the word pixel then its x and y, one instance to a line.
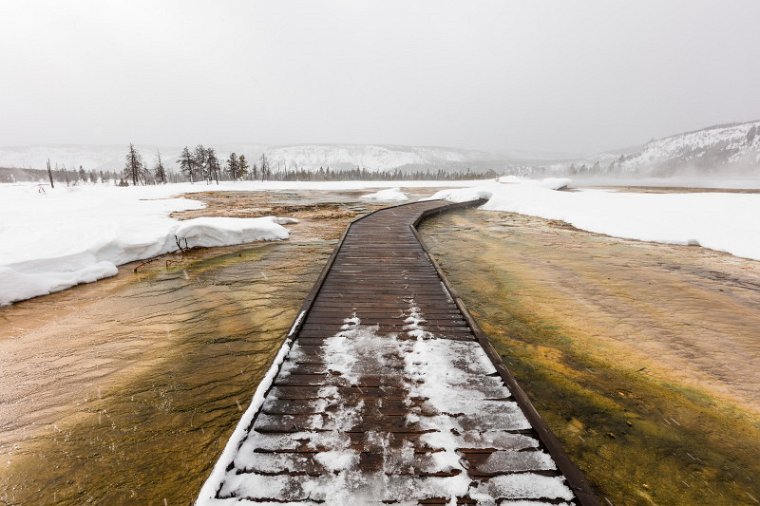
pixel 639 437
pixel 153 439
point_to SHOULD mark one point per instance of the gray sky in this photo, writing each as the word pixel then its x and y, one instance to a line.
pixel 536 75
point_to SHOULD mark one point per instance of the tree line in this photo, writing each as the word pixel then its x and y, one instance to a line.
pixel 71 177
pixel 202 164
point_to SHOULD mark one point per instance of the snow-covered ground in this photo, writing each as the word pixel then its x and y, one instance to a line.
pixel 52 240
pixel 67 236
pixel 727 222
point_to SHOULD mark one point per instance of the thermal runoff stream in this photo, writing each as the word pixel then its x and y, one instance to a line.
pixel 125 391
pixel 642 357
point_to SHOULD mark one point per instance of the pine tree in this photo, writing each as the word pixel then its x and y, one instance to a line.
pixel 212 165
pixel 159 171
pixel 200 157
pixel 134 165
pixel 254 172
pixel 187 163
pixel 242 166
pixel 232 166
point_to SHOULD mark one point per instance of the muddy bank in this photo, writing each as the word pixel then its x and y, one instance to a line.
pixel 643 358
pixel 125 391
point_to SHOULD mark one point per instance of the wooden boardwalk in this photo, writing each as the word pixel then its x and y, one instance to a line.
pixel 386 391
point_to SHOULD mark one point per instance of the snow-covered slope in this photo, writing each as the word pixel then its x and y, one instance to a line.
pixel 708 149
pixel 95 157
pixel 346 156
pixel 721 149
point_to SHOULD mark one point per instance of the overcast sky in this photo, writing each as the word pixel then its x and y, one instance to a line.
pixel 560 75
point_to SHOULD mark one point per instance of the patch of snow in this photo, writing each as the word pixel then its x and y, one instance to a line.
pixel 524 486
pixel 720 221
pixel 389 195
pixel 69 235
pixel 52 241
pixel 501 461
pixel 210 232
pixel 280 220
pixel 338 460
pixel 354 350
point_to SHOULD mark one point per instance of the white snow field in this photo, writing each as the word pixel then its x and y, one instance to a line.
pixel 728 222
pixel 53 239
pixel 389 195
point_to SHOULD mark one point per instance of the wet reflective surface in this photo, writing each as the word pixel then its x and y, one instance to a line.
pixel 643 358
pixel 125 391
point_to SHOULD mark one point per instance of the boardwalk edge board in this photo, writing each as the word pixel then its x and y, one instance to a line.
pixel 273 423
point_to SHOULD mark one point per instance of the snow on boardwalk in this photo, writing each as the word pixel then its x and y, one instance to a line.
pixel 383 393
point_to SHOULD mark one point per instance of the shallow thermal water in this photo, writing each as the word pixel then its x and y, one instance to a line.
pixel 125 391
pixel 643 358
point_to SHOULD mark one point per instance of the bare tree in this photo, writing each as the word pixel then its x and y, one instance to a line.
pixel 265 170
pixel 159 171
pixel 50 174
pixel 65 173
pixel 134 166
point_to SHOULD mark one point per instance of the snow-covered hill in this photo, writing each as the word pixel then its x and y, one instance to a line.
pixel 307 156
pixel 715 151
pixel 721 149
pixel 346 156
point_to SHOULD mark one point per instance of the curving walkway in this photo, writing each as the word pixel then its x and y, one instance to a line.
pixel 386 391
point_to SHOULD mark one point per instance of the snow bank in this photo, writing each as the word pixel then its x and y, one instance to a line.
pixel 210 232
pixel 52 241
pixel 721 221
pixel 69 235
pixel 389 195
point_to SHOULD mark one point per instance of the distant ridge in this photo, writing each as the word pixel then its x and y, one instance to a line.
pixel 725 148
pixel 306 156
pixel 719 149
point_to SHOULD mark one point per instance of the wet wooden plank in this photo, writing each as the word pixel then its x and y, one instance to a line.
pixel 364 399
